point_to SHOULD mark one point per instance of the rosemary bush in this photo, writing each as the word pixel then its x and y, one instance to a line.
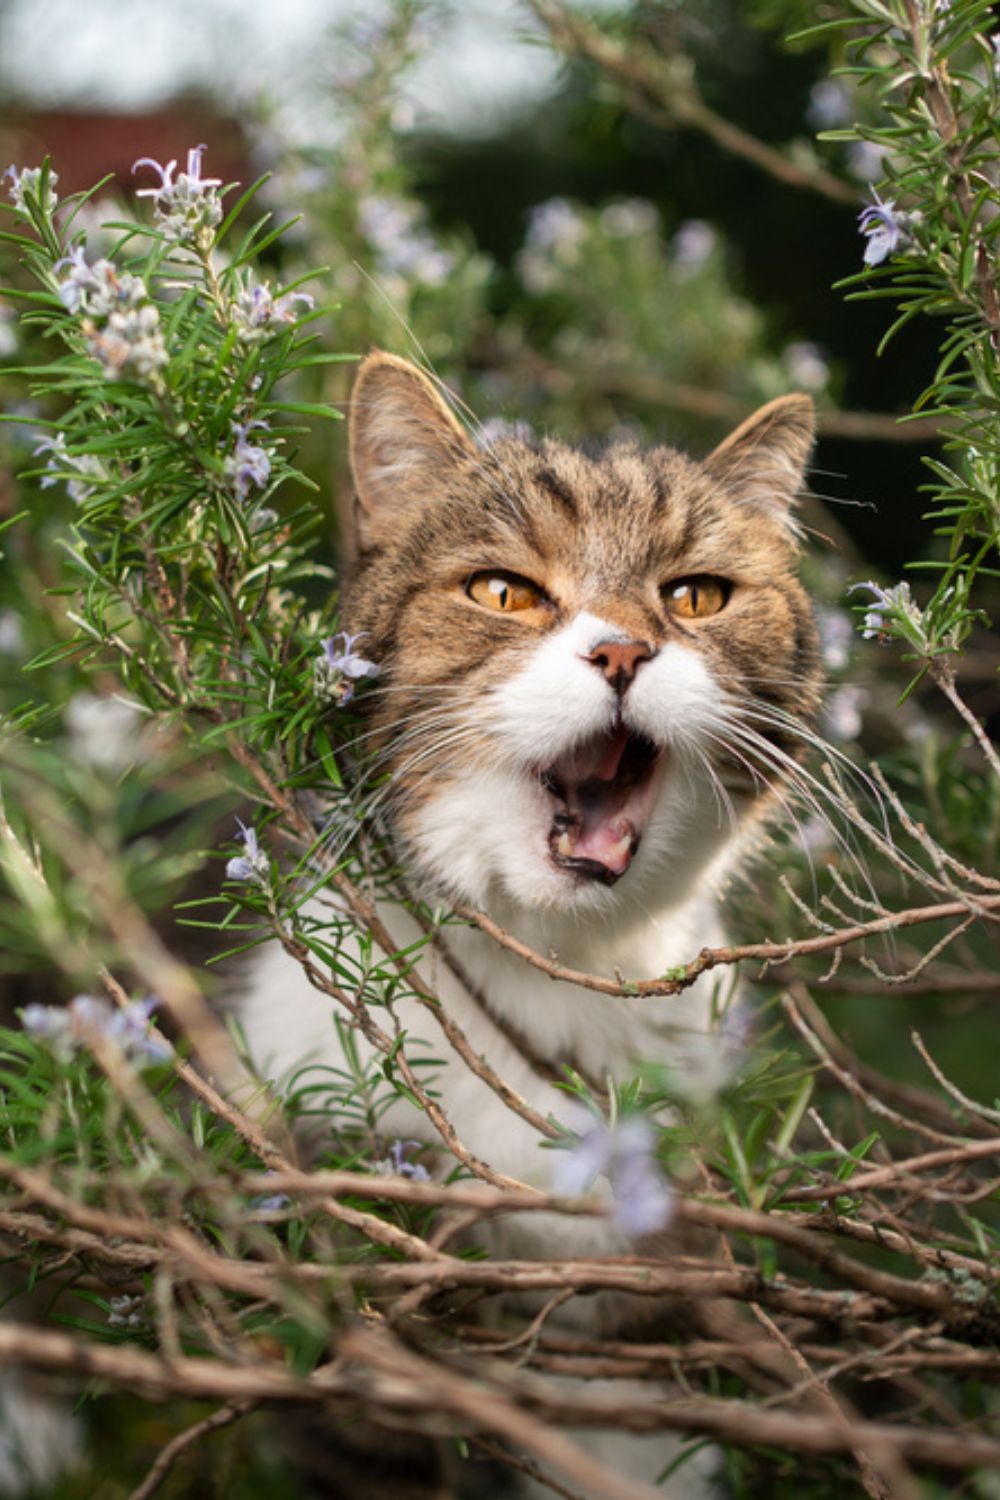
pixel 190 702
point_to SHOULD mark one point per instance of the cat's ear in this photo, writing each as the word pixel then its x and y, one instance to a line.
pixel 402 437
pixel 763 462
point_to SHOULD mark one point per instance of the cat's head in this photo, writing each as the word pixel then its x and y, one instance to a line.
pixel 592 667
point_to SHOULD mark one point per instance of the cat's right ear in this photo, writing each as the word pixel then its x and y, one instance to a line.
pixel 402 437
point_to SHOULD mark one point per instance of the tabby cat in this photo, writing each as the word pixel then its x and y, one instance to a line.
pixel 596 674
pixel 595 671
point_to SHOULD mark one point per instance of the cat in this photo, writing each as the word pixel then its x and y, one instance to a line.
pixel 595 673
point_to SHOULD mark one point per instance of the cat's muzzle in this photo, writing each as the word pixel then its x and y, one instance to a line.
pixel 603 791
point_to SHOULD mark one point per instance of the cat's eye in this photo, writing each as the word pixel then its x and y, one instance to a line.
pixel 505 592
pixel 694 598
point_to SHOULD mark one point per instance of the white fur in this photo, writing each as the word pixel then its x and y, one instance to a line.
pixel 484 835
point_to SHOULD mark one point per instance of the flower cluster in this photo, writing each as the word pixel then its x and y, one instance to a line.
pixel 624 1153
pixel 72 469
pixel 25 180
pixel 87 1019
pixel 99 289
pixel 188 209
pixel 339 667
pixel 403 246
pixel 249 465
pixel 394 1163
pixel 556 232
pixel 252 866
pixel 127 1311
pixel 886 228
pixel 121 326
pixel 258 314
pixel 896 614
pixel 130 345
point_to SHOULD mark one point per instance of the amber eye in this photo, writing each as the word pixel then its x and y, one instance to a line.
pixel 505 592
pixel 694 598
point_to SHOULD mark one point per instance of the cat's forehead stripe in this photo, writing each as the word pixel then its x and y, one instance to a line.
pixel 549 482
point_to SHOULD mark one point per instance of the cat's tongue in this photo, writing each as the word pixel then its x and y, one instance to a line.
pixel 604 790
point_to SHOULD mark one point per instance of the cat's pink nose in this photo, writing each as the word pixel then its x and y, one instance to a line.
pixel 619 661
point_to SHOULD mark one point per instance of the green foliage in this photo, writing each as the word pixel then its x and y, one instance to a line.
pixel 932 72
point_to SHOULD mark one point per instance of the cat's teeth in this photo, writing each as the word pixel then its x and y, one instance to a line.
pixel 623 847
pixel 564 845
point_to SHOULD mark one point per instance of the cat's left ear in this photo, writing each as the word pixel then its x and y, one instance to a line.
pixel 402 438
pixel 763 462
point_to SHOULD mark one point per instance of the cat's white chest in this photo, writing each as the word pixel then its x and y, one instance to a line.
pixel 290 1025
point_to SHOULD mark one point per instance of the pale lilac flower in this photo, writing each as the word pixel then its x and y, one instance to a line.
pixel 866 161
pixel 8 330
pixel 258 314
pixel 624 1153
pixel 248 465
pixel 188 209
pixel 395 1162
pixel 807 365
pixel 403 245
pixel 105 732
pixel 828 105
pixel 555 235
pixel 896 613
pixel 11 633
pixel 339 667
pixel 130 346
pixel 97 290
pixel 252 866
pixel 271 1202
pixel 629 216
pixel 884 227
pixel 693 244
pixel 836 632
pixel 86 1019
pixel 841 716
pixel 556 226
pixel 28 180
pixel 66 468
pixel 125 1311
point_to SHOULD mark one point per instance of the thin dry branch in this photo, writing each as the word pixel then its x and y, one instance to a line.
pixel 663 89
pixel 178 1446
pixel 711 958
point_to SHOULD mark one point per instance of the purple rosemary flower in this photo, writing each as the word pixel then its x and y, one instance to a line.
pixel 270 1202
pixel 28 180
pixel 693 245
pixel 188 209
pixel 402 243
pixel 252 866
pixel 130 346
pixel 258 314
pixel 248 465
pixel 87 1019
pixel 896 607
pixel 339 667
pixel 624 1153
pixel 395 1162
pixel 98 290
pixel 127 1311
pixel 66 468
pixel 886 230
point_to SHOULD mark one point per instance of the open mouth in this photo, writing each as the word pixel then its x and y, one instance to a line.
pixel 603 792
